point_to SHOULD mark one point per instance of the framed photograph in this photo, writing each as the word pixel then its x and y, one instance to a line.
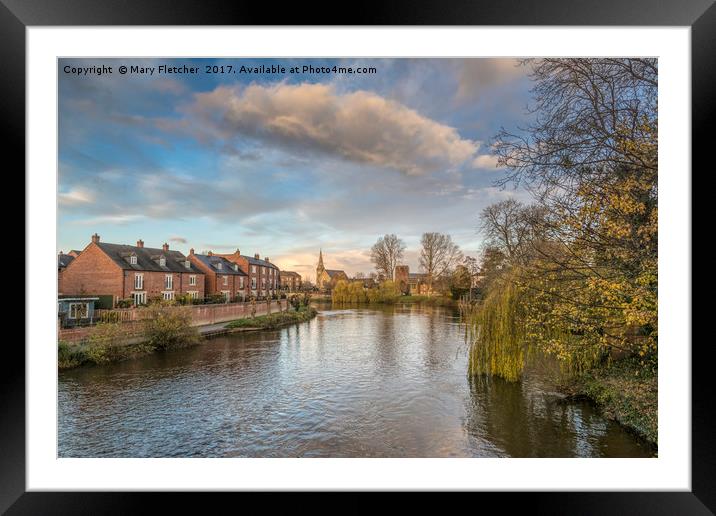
pixel 418 253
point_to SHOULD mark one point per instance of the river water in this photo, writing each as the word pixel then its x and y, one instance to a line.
pixel 361 382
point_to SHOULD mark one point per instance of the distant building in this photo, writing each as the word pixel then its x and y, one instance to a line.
pixel 326 279
pixel 415 283
pixel 263 276
pixel 131 272
pixel 290 281
pixel 221 276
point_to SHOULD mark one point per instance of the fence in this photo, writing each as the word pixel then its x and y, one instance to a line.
pixel 200 315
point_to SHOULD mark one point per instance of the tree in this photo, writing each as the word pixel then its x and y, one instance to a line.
pixel 438 255
pixel 576 273
pixel 386 253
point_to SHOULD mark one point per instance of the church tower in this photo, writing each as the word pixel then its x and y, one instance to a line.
pixel 320 269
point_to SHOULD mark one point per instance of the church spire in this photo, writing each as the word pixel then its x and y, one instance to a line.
pixel 320 259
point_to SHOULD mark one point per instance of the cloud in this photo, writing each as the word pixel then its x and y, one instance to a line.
pixel 475 76
pixel 358 126
pixel 178 239
pixel 486 161
pixel 76 196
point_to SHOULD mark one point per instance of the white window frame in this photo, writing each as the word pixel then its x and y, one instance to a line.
pixel 169 282
pixel 253 269
pixel 227 295
pixel 162 262
pixel 241 282
pixel 138 281
pixel 139 298
pixel 192 280
pixel 168 296
pixel 225 280
pixel 133 259
pixel 194 294
pixel 85 310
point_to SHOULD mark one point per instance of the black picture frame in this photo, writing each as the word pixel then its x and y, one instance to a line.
pixel 700 15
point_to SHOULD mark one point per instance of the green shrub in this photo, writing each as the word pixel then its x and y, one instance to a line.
pixel 167 326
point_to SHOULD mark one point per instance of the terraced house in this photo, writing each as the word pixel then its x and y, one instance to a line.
pixel 221 276
pixel 290 281
pixel 263 276
pixel 132 272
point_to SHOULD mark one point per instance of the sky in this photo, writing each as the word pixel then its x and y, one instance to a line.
pixel 283 164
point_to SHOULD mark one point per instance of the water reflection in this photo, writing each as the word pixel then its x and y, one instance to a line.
pixel 354 382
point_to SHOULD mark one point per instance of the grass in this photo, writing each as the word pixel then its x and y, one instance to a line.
pixel 70 355
pixel 624 393
pixel 275 320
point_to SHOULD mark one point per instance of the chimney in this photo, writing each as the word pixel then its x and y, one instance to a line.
pixel 165 247
pixel 95 238
pixel 266 258
pixel 191 251
pixel 256 256
pixel 210 253
pixel 140 243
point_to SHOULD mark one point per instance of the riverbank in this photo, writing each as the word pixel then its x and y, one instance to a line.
pixel 275 320
pixel 115 347
pixel 624 393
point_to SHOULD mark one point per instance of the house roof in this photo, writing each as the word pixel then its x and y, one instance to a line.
pixel 213 262
pixel 333 272
pixel 417 275
pixel 262 263
pixel 290 274
pixel 147 258
pixel 63 260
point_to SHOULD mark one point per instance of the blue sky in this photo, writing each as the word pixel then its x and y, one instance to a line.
pixel 284 164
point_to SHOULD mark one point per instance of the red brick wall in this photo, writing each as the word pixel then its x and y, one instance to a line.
pixel 92 272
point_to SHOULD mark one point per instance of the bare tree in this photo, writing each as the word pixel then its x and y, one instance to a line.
pixel 438 255
pixel 386 253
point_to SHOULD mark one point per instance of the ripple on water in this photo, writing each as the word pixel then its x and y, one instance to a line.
pixel 386 382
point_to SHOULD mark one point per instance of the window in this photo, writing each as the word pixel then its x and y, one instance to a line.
pixel 253 283
pixel 253 269
pixel 78 311
pixel 187 264
pixel 138 281
pixel 139 298
pixel 236 266
pixel 193 294
pixel 227 295
pixel 162 261
pixel 192 280
pixel 133 259
pixel 226 280
pixel 241 282
pixel 167 296
pixel 168 282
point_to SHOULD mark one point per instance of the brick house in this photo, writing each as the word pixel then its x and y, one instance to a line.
pixel 290 280
pixel 263 276
pixel 221 276
pixel 63 260
pixel 132 272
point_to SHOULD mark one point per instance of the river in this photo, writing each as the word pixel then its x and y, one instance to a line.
pixel 359 382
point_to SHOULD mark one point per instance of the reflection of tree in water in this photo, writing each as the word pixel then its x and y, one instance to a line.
pixel 523 420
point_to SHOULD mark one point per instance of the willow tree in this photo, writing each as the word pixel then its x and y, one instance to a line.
pixel 588 274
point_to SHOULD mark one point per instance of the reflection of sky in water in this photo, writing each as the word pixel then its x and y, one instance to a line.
pixel 387 382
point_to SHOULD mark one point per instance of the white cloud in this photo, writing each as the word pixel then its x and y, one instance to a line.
pixel 76 196
pixel 485 161
pixel 359 126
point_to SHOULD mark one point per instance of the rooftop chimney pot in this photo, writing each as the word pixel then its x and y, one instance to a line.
pixel 165 247
pixel 95 238
pixel 140 243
